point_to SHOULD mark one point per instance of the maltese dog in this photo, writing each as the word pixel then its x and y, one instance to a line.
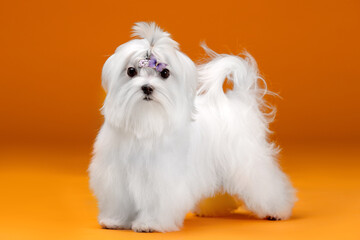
pixel 172 137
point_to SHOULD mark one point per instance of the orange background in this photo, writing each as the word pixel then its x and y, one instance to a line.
pixel 52 53
pixel 51 58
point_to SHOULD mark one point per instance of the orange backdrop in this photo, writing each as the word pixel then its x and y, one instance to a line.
pixel 51 58
pixel 52 53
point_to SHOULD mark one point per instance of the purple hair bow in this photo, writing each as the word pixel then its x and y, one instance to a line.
pixel 152 63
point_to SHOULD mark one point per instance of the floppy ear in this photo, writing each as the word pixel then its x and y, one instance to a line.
pixel 111 71
pixel 189 75
pixel 114 65
pixel 106 73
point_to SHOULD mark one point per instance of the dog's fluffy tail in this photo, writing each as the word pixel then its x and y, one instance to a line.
pixel 242 71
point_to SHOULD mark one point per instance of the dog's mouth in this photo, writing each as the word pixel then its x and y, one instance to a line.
pixel 147 98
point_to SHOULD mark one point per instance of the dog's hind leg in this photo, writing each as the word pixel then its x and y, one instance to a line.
pixel 265 190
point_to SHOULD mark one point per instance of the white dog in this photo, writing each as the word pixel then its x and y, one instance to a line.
pixel 172 137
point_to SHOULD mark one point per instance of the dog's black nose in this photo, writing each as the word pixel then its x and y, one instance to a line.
pixel 147 89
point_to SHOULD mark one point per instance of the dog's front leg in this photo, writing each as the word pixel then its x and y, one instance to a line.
pixel 163 210
pixel 116 208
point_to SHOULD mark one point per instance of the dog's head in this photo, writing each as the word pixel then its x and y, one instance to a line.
pixel 150 84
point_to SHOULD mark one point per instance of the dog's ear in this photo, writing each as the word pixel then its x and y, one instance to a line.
pixel 108 72
pixel 116 63
pixel 153 34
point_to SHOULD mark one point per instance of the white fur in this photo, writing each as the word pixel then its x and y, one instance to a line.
pixel 155 160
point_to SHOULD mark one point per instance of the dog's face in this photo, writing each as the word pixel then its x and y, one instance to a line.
pixel 143 100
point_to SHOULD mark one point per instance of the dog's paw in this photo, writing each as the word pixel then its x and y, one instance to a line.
pixel 142 228
pixel 271 218
pixel 109 223
pixel 151 226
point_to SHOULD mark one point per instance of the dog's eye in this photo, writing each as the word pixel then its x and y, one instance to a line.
pixel 165 73
pixel 131 72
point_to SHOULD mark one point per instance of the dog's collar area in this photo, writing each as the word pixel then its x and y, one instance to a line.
pixel 151 62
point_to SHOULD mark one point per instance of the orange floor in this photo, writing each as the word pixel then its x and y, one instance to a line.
pixel 45 195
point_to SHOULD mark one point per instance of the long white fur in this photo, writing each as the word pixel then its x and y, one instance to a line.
pixel 155 160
